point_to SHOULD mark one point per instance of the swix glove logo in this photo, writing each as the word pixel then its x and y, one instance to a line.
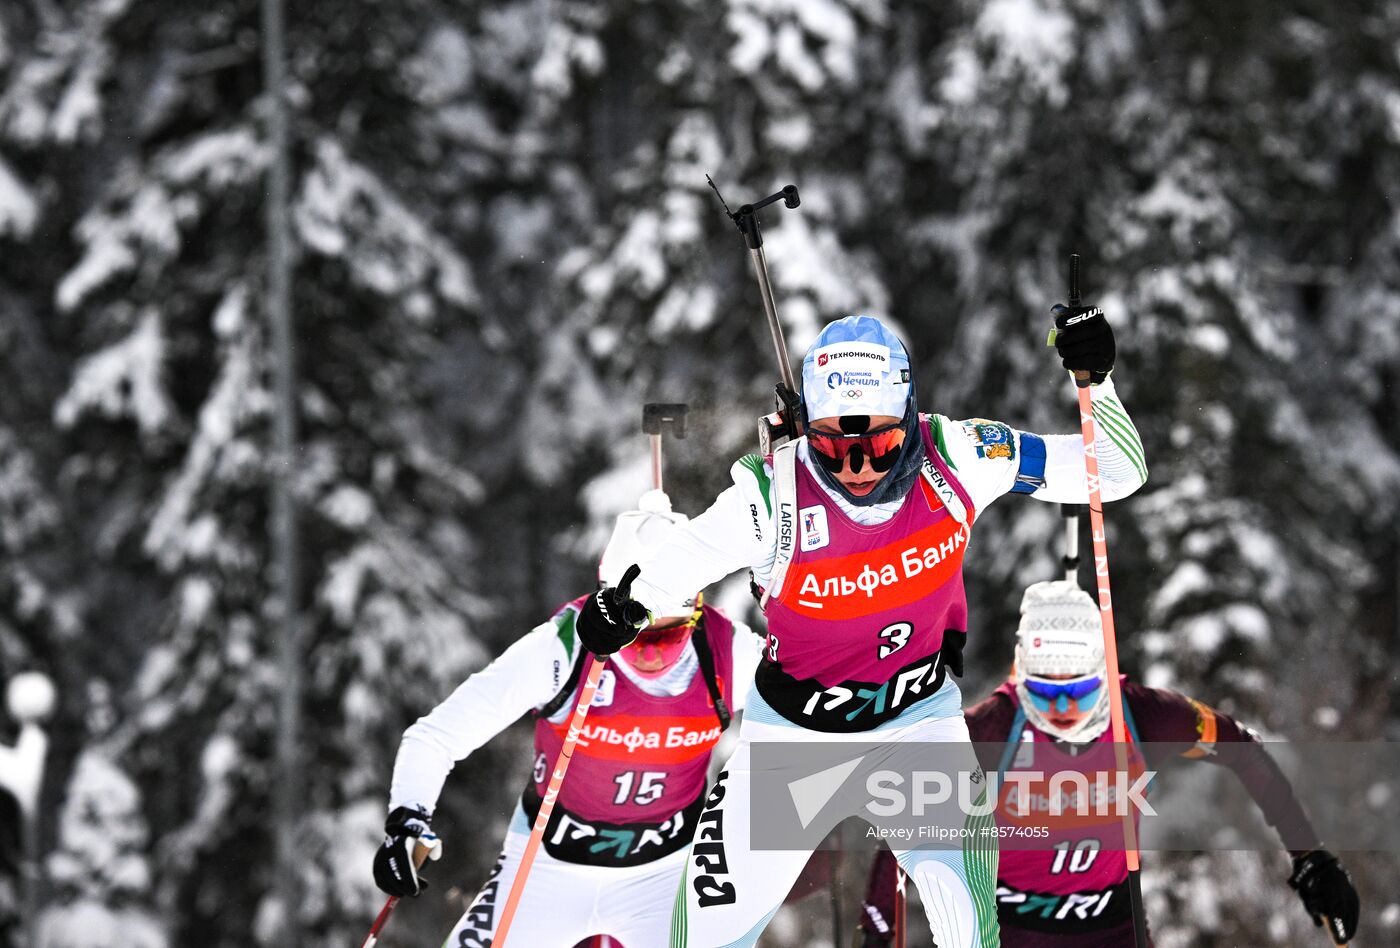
pixel 1082 317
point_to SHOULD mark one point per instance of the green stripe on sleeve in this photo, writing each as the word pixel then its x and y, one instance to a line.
pixel 1122 433
pixel 1112 406
pixel 1125 442
pixel 1121 425
pixel 755 464
pixel 937 421
pixel 564 628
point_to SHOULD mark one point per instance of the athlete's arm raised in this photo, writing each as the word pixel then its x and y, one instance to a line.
pixel 1122 464
pixel 525 676
pixel 992 458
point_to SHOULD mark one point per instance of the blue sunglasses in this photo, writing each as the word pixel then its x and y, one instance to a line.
pixel 1047 693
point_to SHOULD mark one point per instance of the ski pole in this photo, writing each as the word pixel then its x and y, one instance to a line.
pixel 1110 638
pixel 771 433
pixel 421 852
pixel 656 417
pixel 1070 562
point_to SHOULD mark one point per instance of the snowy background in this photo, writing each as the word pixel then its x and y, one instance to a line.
pixel 505 244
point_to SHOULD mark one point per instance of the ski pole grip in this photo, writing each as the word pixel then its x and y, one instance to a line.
pixel 790 196
pixel 1081 378
pixel 425 850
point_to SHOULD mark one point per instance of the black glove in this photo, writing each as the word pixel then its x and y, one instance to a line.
pixel 610 618
pixel 394 871
pixel 1084 340
pixel 1327 893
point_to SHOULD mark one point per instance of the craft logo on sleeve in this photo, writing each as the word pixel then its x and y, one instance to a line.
pixel 814 532
pixel 604 695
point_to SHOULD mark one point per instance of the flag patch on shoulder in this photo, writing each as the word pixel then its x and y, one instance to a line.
pixel 991 438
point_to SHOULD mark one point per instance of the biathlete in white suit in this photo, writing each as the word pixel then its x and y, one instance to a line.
pixel 614 849
pixel 856 534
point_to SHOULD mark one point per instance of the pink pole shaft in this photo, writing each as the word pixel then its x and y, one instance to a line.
pixel 379 922
pixel 561 767
pixel 1110 635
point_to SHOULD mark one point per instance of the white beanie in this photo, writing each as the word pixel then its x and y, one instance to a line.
pixel 1060 631
pixel 1061 634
